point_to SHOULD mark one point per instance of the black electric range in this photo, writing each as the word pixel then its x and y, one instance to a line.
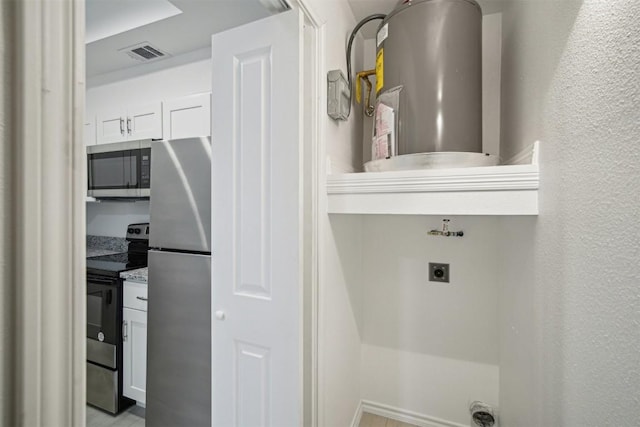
pixel 105 322
pixel 114 264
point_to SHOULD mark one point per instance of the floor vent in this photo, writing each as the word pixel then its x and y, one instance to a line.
pixel 144 52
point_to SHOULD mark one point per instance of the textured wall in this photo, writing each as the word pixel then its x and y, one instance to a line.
pixel 571 78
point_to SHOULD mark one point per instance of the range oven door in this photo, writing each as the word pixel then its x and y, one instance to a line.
pixel 104 343
pixel 121 169
pixel 103 304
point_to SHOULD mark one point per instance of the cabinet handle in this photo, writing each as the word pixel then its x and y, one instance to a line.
pixel 124 330
pixel 142 298
pixel 129 125
pixel 121 126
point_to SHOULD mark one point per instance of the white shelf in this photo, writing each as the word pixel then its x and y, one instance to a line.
pixel 492 190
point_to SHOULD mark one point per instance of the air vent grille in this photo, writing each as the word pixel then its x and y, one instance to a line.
pixel 144 52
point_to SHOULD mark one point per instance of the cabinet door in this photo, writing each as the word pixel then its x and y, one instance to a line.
pixel 110 126
pixel 89 130
pixel 144 122
pixel 186 117
pixel 134 351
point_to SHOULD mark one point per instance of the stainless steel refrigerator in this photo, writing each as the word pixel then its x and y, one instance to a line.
pixel 179 307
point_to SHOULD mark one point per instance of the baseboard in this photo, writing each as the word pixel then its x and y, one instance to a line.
pixel 402 415
pixel 355 422
pixel 526 156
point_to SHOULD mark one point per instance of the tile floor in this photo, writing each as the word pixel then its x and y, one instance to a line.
pixel 370 420
pixel 132 417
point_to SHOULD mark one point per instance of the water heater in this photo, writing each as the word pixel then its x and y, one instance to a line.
pixel 433 49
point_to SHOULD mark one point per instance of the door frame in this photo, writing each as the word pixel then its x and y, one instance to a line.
pixel 314 199
pixel 32 346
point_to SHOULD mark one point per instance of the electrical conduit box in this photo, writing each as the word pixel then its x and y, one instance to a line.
pixel 337 95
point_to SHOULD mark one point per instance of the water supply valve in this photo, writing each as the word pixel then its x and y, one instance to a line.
pixel 445 231
pixel 364 75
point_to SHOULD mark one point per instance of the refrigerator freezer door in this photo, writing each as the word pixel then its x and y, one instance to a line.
pixel 180 202
pixel 179 340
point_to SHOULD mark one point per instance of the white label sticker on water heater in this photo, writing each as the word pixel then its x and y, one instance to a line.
pixel 382 34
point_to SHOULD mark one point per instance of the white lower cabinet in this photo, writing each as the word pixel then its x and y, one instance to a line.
pixel 134 339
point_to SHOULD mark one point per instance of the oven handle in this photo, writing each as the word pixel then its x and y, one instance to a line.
pixel 101 281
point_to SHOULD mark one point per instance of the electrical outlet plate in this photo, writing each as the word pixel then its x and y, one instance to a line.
pixel 438 272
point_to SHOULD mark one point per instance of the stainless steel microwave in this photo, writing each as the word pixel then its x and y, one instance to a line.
pixel 121 169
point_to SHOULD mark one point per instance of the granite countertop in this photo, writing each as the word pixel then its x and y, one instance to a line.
pixel 103 245
pixel 99 251
pixel 139 275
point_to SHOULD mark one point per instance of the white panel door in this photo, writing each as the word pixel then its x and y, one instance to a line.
pixel 111 126
pixel 186 117
pixel 145 121
pixel 134 351
pixel 256 215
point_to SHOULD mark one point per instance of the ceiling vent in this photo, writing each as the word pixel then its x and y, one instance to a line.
pixel 144 52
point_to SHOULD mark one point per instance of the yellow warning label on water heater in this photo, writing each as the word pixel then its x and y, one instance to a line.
pixel 379 70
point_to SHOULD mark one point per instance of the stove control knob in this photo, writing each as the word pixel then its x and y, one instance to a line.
pixel 137 231
pixel 130 230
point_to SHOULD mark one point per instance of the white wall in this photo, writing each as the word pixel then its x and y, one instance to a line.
pixel 571 338
pixel 129 87
pixel 340 246
pixel 429 347
pixel 341 322
pixel 112 218
pixel 343 155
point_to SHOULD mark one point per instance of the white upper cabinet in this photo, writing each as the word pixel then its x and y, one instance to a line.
pixel 129 124
pixel 188 116
pixel 110 126
pixel 145 121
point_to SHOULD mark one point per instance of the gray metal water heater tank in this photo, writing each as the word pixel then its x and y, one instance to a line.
pixel 433 48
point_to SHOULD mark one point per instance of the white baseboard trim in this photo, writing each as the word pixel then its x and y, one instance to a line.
pixel 401 415
pixel 355 422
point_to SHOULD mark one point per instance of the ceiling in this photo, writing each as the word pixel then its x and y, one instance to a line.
pixel 363 8
pixel 180 26
pixel 181 33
